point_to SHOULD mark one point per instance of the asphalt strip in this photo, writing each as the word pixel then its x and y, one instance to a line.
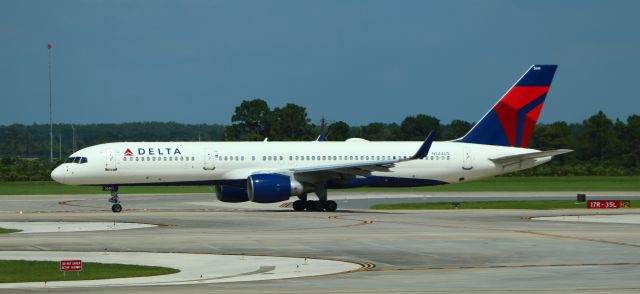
pixel 60 227
pixel 194 268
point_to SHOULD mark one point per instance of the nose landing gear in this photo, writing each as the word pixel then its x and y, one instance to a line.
pixel 116 207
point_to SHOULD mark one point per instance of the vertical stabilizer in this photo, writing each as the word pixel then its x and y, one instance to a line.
pixel 511 121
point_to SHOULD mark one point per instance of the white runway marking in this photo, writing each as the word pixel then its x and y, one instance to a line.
pixel 59 227
pixel 617 219
pixel 194 268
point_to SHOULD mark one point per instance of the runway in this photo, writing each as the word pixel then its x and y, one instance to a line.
pixel 486 251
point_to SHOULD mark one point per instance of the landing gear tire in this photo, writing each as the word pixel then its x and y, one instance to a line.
pixel 317 206
pixel 116 208
pixel 299 205
pixel 308 205
pixel 330 205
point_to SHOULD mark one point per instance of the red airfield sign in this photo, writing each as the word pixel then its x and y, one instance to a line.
pixel 603 204
pixel 71 265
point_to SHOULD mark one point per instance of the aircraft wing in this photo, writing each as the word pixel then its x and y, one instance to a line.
pixel 510 159
pixel 363 168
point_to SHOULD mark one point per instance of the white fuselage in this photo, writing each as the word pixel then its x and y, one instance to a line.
pixel 216 163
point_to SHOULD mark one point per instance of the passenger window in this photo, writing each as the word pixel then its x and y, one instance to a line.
pixel 264 158
pixel 281 158
pixel 165 158
pixel 124 159
pixel 296 157
pixel 253 157
pixel 242 157
pixel 307 157
pixel 137 158
pixel 324 157
pixel 237 158
pixel 170 158
pixel 448 157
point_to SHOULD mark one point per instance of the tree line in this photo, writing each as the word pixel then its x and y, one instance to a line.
pixel 602 146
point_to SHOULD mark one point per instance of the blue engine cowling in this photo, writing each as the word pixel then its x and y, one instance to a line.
pixel 231 194
pixel 271 188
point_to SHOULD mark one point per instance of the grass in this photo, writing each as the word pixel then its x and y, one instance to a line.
pixel 8 231
pixel 533 184
pixel 516 184
pixel 524 204
pixel 53 188
pixel 15 271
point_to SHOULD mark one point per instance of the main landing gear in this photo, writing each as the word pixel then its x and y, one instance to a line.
pixel 309 205
pixel 116 207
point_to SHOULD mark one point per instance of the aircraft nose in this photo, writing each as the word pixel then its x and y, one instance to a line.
pixel 58 174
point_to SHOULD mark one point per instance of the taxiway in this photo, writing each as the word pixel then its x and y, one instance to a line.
pixel 451 251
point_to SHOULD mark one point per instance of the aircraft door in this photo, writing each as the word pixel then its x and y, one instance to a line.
pixel 110 162
pixel 210 158
pixel 467 162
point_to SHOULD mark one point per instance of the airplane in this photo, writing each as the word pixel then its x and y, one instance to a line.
pixel 271 172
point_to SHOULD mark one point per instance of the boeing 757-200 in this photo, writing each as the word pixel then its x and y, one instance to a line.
pixel 270 172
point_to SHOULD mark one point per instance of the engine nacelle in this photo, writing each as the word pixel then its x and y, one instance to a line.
pixel 271 188
pixel 231 194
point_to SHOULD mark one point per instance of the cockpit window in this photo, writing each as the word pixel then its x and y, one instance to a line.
pixel 74 159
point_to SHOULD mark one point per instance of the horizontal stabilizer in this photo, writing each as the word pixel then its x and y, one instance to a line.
pixel 503 160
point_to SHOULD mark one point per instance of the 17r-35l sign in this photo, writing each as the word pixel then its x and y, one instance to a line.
pixel 604 204
pixel 71 265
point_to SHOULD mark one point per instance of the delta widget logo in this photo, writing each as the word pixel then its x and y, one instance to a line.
pixel 128 152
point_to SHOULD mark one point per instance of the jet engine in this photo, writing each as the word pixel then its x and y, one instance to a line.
pixel 271 188
pixel 231 194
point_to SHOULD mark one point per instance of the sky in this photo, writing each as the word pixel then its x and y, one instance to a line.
pixel 349 60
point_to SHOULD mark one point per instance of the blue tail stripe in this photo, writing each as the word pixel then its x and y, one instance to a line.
pixel 538 75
